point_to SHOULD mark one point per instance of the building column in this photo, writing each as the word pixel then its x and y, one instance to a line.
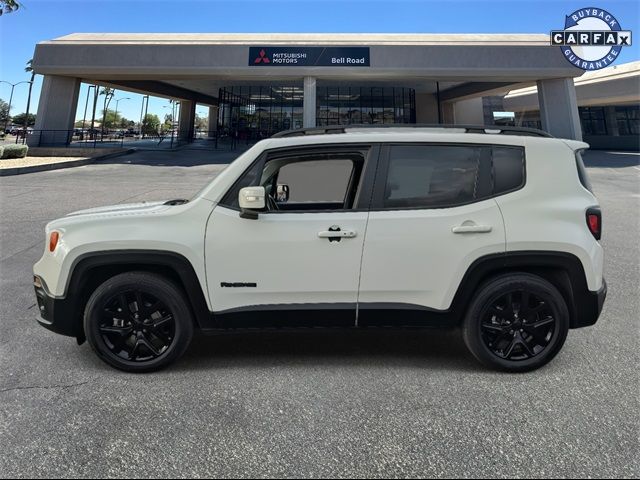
pixel 559 108
pixel 213 121
pixel 309 103
pixel 187 120
pixel 56 111
pixel 448 113
pixel 426 108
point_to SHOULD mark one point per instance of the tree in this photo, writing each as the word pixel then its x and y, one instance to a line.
pixel 4 112
pixel 8 6
pixel 108 95
pixel 21 119
pixel 202 123
pixel 150 124
pixel 168 122
pixel 29 69
pixel 110 119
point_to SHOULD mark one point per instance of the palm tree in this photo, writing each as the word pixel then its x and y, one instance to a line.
pixel 8 6
pixel 108 95
pixel 29 69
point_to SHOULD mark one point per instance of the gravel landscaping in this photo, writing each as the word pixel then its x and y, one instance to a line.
pixel 34 161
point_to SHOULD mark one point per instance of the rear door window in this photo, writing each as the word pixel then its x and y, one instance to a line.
pixel 441 176
pixel 431 176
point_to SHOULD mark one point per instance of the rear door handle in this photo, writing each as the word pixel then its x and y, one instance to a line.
pixel 472 229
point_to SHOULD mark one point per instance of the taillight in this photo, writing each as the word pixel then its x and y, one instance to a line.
pixel 53 240
pixel 594 222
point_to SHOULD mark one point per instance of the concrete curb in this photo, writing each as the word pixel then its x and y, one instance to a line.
pixel 4 172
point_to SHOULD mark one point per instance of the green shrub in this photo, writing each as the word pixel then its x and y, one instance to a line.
pixel 1 150
pixel 14 151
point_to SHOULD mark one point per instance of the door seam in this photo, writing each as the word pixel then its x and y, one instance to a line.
pixel 364 241
pixel 381 147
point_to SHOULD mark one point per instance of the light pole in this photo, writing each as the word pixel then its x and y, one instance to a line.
pixel 124 98
pixel 116 118
pixel 13 85
pixel 172 106
pixel 201 115
pixel 143 114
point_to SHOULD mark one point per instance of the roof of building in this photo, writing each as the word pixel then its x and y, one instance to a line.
pixel 305 39
pixel 614 72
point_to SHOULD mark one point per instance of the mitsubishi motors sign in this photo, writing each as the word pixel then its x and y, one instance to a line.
pixel 309 56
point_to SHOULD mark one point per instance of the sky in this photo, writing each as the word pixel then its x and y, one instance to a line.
pixel 40 20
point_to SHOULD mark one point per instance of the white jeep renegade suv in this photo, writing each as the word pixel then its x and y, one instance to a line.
pixel 491 229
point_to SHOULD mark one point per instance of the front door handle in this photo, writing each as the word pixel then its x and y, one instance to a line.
pixel 335 233
pixel 472 229
pixel 341 234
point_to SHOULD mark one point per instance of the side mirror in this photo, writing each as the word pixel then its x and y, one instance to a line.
pixel 251 199
pixel 282 193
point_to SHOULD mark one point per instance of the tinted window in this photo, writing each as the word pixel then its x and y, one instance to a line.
pixel 317 180
pixel 326 181
pixel 431 176
pixel 508 169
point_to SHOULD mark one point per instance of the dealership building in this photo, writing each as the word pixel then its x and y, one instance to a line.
pixel 258 84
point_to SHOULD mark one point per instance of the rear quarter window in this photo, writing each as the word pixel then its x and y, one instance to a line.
pixel 508 169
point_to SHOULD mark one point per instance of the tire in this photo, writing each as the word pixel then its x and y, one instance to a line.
pixel 516 323
pixel 138 322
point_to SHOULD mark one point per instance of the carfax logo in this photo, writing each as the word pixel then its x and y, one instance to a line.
pixel 592 38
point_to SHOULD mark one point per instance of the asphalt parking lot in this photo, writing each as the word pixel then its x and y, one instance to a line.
pixel 366 404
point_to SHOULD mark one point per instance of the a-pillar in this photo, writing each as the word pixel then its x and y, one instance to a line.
pixel 309 103
pixel 559 108
pixel 187 120
pixel 56 111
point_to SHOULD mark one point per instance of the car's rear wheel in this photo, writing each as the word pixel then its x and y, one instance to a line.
pixel 516 322
pixel 138 322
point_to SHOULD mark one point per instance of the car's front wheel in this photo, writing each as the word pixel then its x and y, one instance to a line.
pixel 138 322
pixel 516 322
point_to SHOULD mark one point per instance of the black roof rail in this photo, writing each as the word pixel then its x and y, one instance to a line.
pixel 487 129
pixel 298 132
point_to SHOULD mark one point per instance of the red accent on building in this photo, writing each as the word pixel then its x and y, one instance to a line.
pixel 262 58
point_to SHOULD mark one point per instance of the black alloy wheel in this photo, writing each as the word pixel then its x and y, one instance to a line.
pixel 516 322
pixel 138 322
pixel 137 326
pixel 518 325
